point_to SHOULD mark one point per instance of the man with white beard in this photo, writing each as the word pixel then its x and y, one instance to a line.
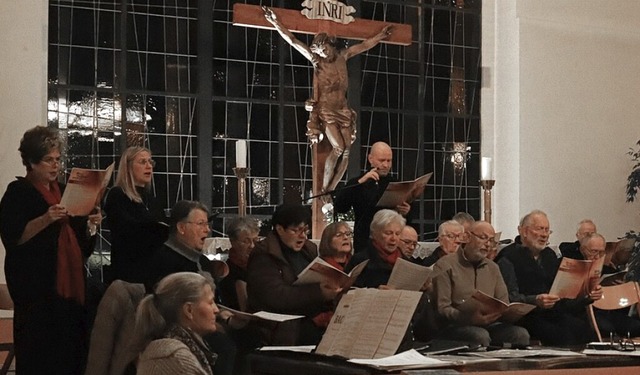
pixel 533 267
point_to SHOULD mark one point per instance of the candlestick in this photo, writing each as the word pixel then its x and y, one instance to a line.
pixel 241 174
pixel 486 186
pixel 241 153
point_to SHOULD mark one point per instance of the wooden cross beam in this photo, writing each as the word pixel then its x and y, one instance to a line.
pixel 359 29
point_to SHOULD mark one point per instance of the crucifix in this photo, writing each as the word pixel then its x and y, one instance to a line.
pixel 331 128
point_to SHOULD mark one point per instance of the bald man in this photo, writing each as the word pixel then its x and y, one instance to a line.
pixel 408 242
pixel 362 193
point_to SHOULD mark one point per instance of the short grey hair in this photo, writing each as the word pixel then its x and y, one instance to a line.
pixel 585 221
pixel 383 218
pixel 526 219
pixel 449 224
pixel 242 224
pixel 463 217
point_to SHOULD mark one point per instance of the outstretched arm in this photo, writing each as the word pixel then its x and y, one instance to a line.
pixel 286 34
pixel 368 43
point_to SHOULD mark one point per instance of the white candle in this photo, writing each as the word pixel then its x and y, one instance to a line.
pixel 487 173
pixel 241 154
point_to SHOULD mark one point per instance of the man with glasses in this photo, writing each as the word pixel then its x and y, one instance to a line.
pixel 408 244
pixel 274 266
pixel 457 277
pixel 450 237
pixel 529 269
pixel 586 227
pixel 182 252
pixel 610 322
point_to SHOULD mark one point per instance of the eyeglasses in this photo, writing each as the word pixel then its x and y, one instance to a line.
pixel 251 240
pixel 410 243
pixel 344 234
pixel 452 236
pixel 51 160
pixel 543 230
pixel 599 253
pixel 485 238
pixel 300 230
pixel 146 161
pixel 201 224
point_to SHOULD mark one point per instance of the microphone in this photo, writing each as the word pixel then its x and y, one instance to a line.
pixel 376 170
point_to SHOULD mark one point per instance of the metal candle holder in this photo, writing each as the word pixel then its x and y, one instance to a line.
pixel 241 174
pixel 486 187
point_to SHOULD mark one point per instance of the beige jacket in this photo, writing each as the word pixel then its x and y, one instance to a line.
pixel 170 357
pixel 109 349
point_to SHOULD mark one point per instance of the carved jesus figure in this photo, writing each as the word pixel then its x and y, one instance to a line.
pixel 330 115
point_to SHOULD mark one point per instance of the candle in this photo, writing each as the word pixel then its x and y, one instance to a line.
pixel 487 173
pixel 241 154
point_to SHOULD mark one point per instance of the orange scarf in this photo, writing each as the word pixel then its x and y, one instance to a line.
pixel 70 273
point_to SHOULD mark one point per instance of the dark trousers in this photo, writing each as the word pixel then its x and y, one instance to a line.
pixel 50 337
pixel 558 328
pixel 618 323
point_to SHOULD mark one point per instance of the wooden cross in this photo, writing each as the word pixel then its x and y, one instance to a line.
pixel 293 20
pixel 360 29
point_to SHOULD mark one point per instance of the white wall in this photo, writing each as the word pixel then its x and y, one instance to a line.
pixel 568 70
pixel 23 81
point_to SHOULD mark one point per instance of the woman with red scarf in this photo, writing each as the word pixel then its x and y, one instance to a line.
pixel 336 244
pixel 382 252
pixel 44 264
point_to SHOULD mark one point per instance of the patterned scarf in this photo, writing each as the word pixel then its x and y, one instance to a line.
pixel 195 344
pixel 70 272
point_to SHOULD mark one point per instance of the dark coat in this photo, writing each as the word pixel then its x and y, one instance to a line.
pixel 166 261
pixel 136 233
pixel 270 280
pixel 375 273
pixel 362 198
pixel 49 331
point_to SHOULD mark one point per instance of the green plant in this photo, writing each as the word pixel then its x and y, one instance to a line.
pixel 633 181
pixel 633 184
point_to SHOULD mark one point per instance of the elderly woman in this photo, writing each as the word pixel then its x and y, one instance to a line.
pixel 170 324
pixel 335 248
pixel 383 250
pixel 44 264
pixel 243 235
pixel 136 230
pixel 336 244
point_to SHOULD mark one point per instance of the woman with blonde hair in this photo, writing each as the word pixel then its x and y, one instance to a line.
pixel 136 229
pixel 170 324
